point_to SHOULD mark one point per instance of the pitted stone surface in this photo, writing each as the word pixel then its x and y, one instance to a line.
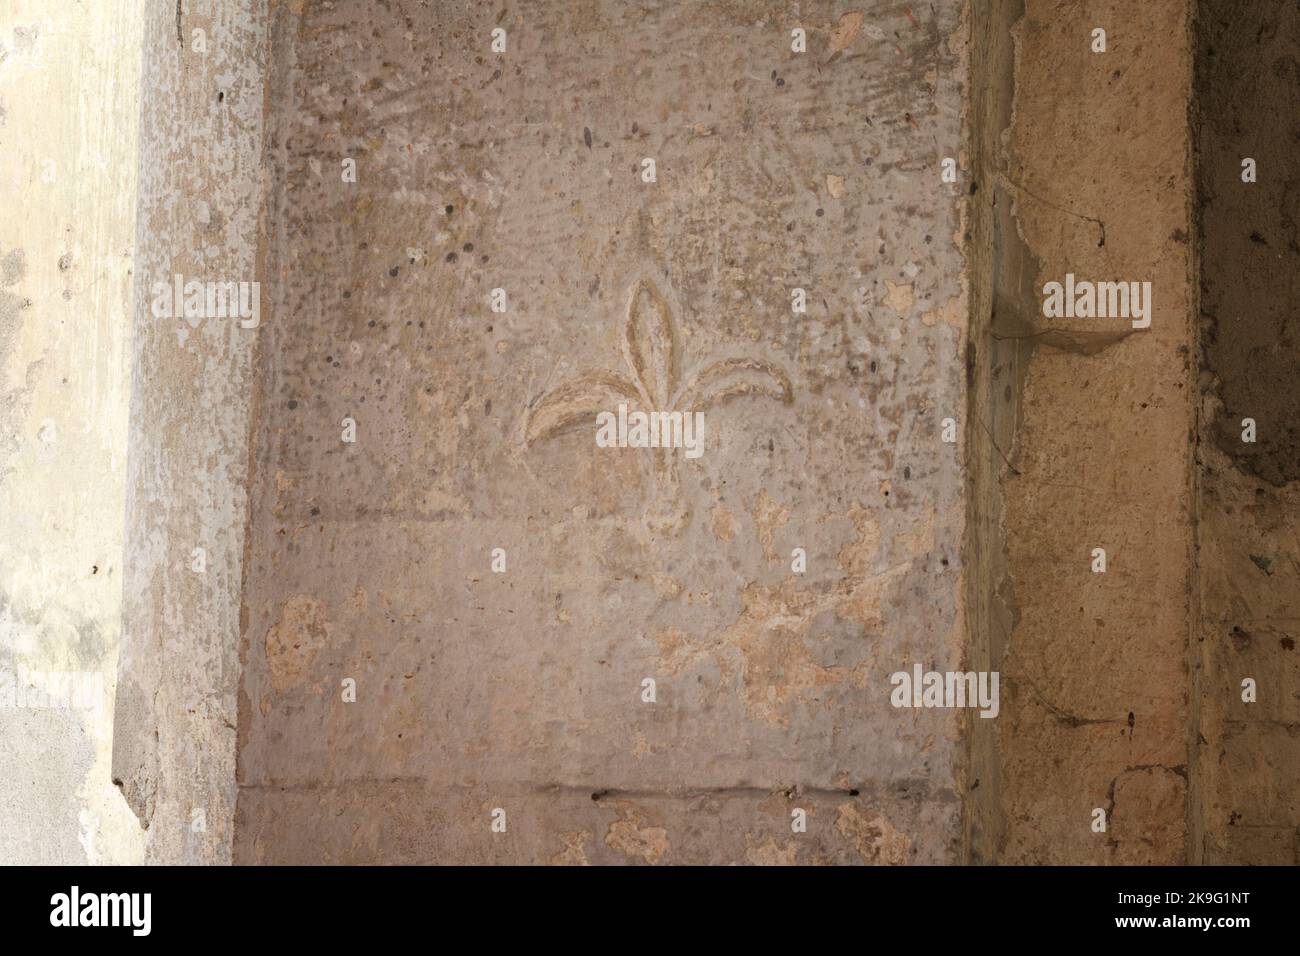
pixel 475 431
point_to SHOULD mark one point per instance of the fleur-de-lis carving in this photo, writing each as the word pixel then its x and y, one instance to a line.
pixel 650 349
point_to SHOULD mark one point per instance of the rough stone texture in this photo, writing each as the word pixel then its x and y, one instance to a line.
pixel 200 201
pixel 1247 793
pixel 372 560
pixel 1002 297
pixel 69 87
pixel 1090 420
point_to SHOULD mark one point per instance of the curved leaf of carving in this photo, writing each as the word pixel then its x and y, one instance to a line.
pixel 732 377
pixel 575 402
pixel 648 343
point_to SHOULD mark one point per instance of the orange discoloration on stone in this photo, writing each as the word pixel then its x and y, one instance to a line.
pixel 769 517
pixel 874 837
pixel 630 836
pixel 723 523
pixel 573 853
pixel 770 853
pixel 766 647
pixel 293 643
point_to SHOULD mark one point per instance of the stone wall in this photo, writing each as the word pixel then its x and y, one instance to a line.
pixel 1088 439
pixel 372 560
pixel 374 590
pixel 1247 755
pixel 69 102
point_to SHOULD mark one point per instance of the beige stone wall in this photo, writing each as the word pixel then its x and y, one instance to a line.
pixel 372 560
pixel 1086 423
pixel 69 111
pixel 1096 662
pixel 211 139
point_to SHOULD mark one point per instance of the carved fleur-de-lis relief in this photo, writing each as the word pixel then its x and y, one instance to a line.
pixel 650 350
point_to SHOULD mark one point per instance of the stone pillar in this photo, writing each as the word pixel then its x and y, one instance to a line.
pixel 1081 431
pixel 199 218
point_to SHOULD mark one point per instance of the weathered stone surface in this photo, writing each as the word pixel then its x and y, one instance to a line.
pixel 475 431
pixel 200 206
pixel 69 94
pixel 429 601
pixel 1089 443
pixel 1247 755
